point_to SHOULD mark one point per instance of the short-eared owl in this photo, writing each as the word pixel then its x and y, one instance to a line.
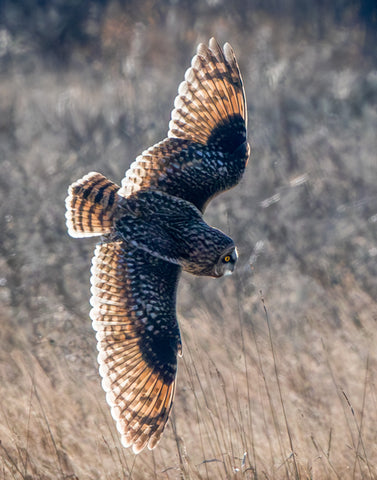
pixel 151 228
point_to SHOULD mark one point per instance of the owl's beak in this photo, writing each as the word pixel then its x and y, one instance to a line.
pixel 228 271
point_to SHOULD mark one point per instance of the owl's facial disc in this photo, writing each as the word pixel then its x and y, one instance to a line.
pixel 227 262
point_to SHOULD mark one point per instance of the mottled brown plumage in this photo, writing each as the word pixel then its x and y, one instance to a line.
pixel 152 227
pixel 206 150
pixel 133 299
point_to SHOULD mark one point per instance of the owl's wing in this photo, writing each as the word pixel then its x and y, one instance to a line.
pixel 211 99
pixel 133 312
pixel 206 150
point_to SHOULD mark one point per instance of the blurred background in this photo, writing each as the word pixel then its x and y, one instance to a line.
pixel 278 377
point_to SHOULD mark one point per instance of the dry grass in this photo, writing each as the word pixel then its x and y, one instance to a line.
pixel 278 377
pixel 248 406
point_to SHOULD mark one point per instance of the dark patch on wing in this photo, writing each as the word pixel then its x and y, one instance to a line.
pixel 229 135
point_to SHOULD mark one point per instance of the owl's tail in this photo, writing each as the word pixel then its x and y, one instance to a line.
pixel 91 204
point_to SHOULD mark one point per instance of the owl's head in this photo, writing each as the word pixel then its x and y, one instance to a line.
pixel 207 251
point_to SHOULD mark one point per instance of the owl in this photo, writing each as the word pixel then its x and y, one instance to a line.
pixel 151 229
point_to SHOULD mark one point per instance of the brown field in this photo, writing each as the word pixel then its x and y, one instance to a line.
pixel 278 377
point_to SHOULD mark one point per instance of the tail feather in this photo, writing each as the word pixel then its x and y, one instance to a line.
pixel 91 204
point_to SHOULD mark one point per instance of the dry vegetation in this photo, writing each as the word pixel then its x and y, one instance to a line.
pixel 278 378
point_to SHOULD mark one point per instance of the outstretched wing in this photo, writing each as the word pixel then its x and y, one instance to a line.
pixel 210 98
pixel 133 312
pixel 206 150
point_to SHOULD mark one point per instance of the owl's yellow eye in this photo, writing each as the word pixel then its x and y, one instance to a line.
pixel 227 259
